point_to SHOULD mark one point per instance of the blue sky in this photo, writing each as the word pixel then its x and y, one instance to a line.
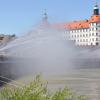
pixel 19 16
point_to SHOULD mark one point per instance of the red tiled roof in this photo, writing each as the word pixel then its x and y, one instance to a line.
pixel 78 24
pixel 95 18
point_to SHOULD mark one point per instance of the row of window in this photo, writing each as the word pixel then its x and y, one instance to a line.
pixel 87 40
pixel 95 24
pixel 86 44
pixel 94 29
pixel 81 30
pixel 84 35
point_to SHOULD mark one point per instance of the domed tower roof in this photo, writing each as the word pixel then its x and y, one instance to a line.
pixel 96 9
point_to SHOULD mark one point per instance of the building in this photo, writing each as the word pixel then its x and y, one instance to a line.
pixel 85 32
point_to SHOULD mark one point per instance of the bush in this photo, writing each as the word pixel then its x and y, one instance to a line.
pixel 37 90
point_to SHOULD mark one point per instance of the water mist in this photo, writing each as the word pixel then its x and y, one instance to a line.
pixel 45 51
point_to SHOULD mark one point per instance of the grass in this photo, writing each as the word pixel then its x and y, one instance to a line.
pixel 37 90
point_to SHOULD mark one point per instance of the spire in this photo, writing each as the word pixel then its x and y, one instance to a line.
pixel 45 17
pixel 44 23
pixel 96 8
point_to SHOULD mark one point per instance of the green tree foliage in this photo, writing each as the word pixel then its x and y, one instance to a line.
pixel 37 90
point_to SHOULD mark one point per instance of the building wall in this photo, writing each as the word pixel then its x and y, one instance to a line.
pixel 86 36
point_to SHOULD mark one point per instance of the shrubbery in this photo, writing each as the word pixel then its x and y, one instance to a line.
pixel 37 90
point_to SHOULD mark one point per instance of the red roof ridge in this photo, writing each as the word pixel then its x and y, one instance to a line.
pixel 81 24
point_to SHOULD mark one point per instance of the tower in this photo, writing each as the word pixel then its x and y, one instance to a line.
pixel 45 22
pixel 45 18
pixel 96 9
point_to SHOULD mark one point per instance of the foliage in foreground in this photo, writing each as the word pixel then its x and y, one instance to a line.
pixel 37 90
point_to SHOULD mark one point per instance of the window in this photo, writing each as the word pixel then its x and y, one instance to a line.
pixel 96 39
pixel 97 43
pixel 83 35
pixel 91 43
pixel 92 34
pixel 86 35
pixel 92 29
pixel 93 39
pixel 83 40
pixel 87 30
pixel 74 40
pixel 99 24
pixel 94 24
pixel 96 34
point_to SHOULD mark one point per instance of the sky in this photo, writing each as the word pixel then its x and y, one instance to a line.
pixel 19 16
